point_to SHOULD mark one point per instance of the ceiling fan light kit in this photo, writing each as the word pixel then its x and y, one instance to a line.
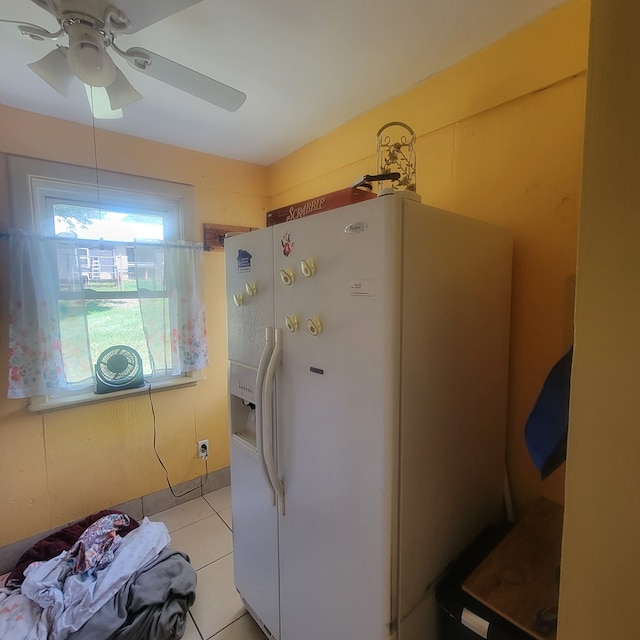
pixel 54 70
pixel 121 92
pixel 91 27
pixel 87 55
pixel 100 103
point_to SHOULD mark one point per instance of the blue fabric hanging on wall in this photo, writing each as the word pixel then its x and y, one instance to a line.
pixel 547 427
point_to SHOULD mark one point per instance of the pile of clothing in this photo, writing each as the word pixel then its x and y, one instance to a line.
pixel 107 577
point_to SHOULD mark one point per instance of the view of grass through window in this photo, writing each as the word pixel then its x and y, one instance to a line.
pixel 106 268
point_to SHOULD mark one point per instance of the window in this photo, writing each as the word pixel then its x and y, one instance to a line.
pixel 119 267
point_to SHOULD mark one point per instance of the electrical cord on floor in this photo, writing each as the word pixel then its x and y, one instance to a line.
pixel 166 472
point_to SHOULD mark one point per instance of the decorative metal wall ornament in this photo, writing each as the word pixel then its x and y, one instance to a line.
pixel 397 154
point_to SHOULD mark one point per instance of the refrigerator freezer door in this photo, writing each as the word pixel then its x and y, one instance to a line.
pixel 255 538
pixel 337 394
pixel 249 265
pixel 249 271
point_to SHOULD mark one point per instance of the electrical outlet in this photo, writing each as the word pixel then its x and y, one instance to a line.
pixel 203 448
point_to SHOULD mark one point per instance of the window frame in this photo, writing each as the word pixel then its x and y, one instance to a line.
pixel 35 182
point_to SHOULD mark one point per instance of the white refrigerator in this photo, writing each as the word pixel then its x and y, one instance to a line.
pixel 368 361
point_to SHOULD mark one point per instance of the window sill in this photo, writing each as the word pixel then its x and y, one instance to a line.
pixel 44 404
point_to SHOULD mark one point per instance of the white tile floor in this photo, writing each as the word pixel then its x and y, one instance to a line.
pixel 202 529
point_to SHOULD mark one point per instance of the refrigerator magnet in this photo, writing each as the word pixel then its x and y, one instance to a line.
pixel 287 244
pixel 244 260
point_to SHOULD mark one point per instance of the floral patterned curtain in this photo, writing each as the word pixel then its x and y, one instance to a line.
pixel 48 333
pixel 40 269
pixel 177 269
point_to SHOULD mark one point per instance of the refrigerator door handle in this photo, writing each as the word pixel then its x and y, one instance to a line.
pixel 262 370
pixel 267 421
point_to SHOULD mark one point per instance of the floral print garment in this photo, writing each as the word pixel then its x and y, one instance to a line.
pixel 96 547
pixel 21 618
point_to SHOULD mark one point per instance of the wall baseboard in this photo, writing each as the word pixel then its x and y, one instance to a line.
pixel 137 508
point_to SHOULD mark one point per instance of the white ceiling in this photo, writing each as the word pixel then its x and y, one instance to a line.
pixel 306 67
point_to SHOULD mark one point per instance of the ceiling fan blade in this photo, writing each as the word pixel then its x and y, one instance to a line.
pixel 54 70
pixel 142 13
pixel 33 31
pixel 121 92
pixel 185 79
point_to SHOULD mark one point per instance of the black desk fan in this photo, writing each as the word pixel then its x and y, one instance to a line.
pixel 118 367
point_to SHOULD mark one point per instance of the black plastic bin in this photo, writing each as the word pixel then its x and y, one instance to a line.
pixel 454 603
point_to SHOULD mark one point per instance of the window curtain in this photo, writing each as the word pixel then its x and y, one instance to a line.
pixel 174 324
pixel 40 269
pixel 48 332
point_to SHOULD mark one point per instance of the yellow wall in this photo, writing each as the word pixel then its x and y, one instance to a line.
pixel 601 560
pixel 499 137
pixel 59 466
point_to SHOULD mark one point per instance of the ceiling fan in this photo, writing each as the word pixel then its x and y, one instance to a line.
pixel 91 28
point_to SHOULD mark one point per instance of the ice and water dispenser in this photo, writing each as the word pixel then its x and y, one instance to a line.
pixel 242 402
